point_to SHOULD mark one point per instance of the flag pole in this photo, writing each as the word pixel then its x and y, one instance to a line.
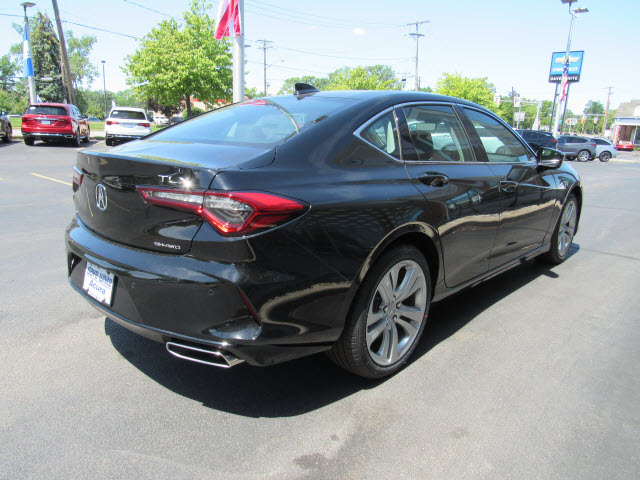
pixel 238 58
pixel 26 56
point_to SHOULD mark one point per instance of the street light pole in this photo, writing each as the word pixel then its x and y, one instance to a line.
pixel 573 14
pixel 26 55
pixel 104 89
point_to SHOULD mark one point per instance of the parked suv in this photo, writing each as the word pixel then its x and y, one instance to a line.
pixel 581 148
pixel 126 123
pixel 605 149
pixel 537 138
pixel 54 121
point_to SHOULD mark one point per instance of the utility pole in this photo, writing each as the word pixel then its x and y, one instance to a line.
pixel 266 45
pixel 63 54
pixel 416 35
pixel 606 111
pixel 513 107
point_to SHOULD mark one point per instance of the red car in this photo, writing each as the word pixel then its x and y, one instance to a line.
pixel 624 145
pixel 54 122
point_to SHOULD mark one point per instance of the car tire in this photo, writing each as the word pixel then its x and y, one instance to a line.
pixel 564 232
pixel 86 138
pixel 605 156
pixel 583 156
pixel 75 141
pixel 108 142
pixel 387 317
pixel 29 141
pixel 8 138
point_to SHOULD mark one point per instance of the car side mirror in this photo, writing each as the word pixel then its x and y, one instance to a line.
pixel 549 157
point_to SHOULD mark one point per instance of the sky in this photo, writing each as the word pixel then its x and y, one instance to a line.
pixel 508 41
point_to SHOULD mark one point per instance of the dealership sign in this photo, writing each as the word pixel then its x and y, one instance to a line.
pixel 557 66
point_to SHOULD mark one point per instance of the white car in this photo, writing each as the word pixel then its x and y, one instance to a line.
pixel 605 149
pixel 126 123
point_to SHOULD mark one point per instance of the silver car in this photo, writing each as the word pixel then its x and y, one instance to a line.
pixel 580 148
pixel 605 149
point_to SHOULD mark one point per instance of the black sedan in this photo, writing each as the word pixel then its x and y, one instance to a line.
pixel 320 221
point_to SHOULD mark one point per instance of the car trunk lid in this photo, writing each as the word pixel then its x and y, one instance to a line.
pixel 108 202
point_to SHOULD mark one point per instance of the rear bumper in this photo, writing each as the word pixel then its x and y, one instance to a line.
pixel 181 298
pixel 48 135
pixel 119 136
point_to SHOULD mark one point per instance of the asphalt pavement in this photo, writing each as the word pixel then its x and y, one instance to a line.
pixel 531 375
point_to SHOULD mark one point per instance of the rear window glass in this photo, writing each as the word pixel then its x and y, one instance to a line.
pixel 128 114
pixel 45 110
pixel 270 121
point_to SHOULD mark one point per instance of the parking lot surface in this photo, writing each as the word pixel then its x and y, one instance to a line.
pixel 531 375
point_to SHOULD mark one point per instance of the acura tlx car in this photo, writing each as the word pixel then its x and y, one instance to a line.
pixel 320 221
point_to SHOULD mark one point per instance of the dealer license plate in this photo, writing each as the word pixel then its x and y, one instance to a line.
pixel 98 283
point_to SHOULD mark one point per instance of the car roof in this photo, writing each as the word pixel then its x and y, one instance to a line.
pixel 391 96
pixel 135 109
pixel 51 104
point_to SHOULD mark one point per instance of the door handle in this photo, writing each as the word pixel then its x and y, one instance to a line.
pixel 433 179
pixel 508 185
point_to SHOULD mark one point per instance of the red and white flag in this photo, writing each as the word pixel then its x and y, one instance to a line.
pixel 565 81
pixel 228 24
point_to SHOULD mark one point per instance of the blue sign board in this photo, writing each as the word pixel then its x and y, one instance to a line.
pixel 557 66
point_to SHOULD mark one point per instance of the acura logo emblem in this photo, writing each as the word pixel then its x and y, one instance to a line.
pixel 101 197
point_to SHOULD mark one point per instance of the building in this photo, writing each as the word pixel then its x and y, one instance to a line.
pixel 626 123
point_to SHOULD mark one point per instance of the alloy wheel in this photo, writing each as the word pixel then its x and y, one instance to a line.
pixel 584 156
pixel 567 228
pixel 396 312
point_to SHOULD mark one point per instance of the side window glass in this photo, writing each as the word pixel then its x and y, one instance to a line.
pixel 500 144
pixel 383 134
pixel 436 134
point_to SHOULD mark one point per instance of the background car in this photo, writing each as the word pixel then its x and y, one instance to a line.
pixel 281 227
pixel 6 130
pixel 160 120
pixel 605 149
pixel 625 145
pixel 580 148
pixel 54 122
pixel 93 119
pixel 125 124
pixel 538 138
pixel 176 119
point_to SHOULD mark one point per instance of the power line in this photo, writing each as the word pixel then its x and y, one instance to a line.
pixel 337 56
pixel 310 14
pixel 102 30
pixel 151 9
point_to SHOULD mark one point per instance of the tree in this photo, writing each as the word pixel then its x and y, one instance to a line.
pixel 78 51
pixel 477 90
pixel 376 77
pixel 288 86
pixel 8 71
pixel 178 60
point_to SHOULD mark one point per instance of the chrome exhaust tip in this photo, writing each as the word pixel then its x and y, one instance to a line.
pixel 202 354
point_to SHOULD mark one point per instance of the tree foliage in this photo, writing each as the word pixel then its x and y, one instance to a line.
pixel 78 51
pixel 477 90
pixel 376 77
pixel 180 60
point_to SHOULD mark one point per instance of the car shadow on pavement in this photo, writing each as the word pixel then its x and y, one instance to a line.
pixel 303 385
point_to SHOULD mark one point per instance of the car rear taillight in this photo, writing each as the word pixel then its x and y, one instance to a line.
pixel 553 140
pixel 112 122
pixel 76 178
pixel 230 213
pixel 26 119
pixel 144 124
pixel 594 145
